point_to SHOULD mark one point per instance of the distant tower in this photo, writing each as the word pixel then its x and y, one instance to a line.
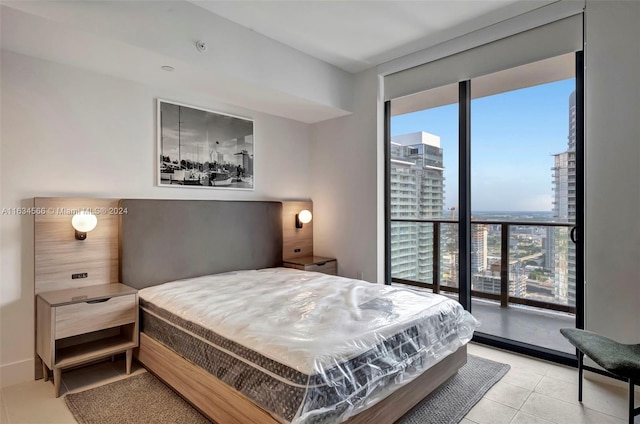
pixel 560 252
pixel 479 247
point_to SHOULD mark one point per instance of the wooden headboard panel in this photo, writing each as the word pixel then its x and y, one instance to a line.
pixel 57 252
pixel 298 242
pixel 166 240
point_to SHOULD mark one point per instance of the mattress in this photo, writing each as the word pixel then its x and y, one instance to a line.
pixel 306 347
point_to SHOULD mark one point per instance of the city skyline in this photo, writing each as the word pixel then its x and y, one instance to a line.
pixel 539 263
pixel 506 175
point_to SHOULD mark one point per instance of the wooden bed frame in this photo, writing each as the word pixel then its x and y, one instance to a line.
pixel 247 235
pixel 225 405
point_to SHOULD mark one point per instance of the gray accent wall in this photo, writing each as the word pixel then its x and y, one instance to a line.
pixel 167 240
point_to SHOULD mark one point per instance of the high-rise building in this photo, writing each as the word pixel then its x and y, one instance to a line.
pixel 560 253
pixel 417 191
pixel 479 247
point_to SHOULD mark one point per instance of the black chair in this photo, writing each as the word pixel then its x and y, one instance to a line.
pixel 622 360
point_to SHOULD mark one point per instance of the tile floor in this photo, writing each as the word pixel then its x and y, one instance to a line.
pixel 532 392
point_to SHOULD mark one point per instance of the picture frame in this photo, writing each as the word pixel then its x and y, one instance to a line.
pixel 201 148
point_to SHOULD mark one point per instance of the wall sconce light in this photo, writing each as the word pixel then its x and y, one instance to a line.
pixel 83 222
pixel 303 217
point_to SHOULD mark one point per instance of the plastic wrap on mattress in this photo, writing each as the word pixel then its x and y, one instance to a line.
pixel 307 347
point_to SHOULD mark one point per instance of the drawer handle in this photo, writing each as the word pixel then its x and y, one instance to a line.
pixel 321 263
pixel 98 301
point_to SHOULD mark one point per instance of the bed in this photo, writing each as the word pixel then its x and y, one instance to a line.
pixel 263 344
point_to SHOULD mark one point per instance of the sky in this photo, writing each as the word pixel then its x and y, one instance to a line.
pixel 513 138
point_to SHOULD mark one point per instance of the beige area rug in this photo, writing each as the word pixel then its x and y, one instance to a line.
pixel 144 399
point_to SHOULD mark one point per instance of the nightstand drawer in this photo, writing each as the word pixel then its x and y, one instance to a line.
pixel 328 267
pixel 80 318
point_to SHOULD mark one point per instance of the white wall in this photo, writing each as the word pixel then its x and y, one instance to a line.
pixel 71 132
pixel 612 212
pixel 344 175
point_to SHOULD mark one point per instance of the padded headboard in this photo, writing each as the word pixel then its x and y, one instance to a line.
pixel 166 240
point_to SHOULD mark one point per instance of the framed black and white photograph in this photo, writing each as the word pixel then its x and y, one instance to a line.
pixel 202 148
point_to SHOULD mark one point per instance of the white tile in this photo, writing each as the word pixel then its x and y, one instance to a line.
pixel 88 377
pixel 522 377
pixel 560 412
pixel 559 372
pixel 558 389
pixel 523 418
pixel 515 360
pixel 490 353
pixel 38 389
pixel 4 417
pixel 601 379
pixel 34 403
pixel 120 365
pixel 508 394
pixel 609 399
pixel 529 364
pixel 489 412
pixel 135 371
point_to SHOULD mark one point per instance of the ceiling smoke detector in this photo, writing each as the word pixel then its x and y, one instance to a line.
pixel 201 46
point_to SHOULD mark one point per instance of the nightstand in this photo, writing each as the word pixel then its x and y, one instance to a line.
pixel 313 263
pixel 77 326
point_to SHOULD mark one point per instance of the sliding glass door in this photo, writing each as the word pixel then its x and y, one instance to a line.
pixel 484 190
pixel 523 202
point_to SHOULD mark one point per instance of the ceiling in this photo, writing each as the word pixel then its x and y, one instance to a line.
pixel 299 57
pixel 357 35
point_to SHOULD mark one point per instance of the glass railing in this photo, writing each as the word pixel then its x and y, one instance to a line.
pixel 525 263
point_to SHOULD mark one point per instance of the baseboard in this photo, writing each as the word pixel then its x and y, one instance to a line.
pixel 16 372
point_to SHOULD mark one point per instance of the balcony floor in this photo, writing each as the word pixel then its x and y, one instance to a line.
pixel 524 324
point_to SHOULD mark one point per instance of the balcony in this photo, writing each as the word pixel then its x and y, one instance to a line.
pixel 515 296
